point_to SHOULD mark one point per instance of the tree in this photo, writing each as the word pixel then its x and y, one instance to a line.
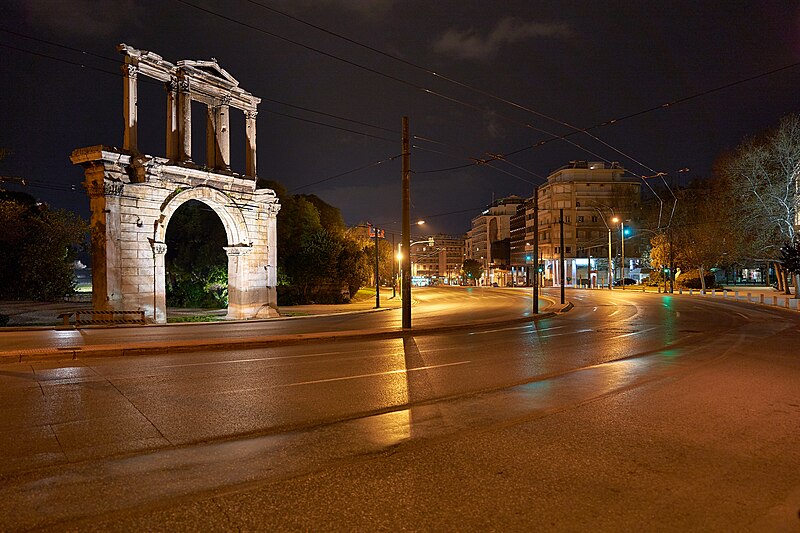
pixel 790 257
pixel 472 269
pixel 318 258
pixel 40 246
pixel 762 176
pixel 699 236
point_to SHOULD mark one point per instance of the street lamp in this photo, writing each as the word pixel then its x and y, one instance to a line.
pixel 622 246
pixel 610 276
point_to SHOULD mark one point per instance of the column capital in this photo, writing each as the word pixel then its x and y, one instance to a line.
pixel 159 248
pixel 130 70
pixel 183 86
pixel 241 249
pixel 171 85
pixel 250 115
pixel 225 100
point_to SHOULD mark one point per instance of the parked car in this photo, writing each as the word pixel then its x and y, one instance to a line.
pixel 625 281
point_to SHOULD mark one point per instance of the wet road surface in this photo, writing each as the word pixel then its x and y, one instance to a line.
pixel 631 409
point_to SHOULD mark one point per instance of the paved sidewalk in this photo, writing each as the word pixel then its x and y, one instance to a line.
pixel 27 313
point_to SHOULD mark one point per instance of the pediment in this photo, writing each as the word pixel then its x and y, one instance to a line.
pixel 210 68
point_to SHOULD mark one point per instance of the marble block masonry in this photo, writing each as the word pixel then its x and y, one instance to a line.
pixel 133 196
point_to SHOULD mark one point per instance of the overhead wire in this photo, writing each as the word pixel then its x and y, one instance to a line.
pixel 364 167
pixel 453 81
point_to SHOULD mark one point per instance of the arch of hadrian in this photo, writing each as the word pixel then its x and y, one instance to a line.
pixel 133 196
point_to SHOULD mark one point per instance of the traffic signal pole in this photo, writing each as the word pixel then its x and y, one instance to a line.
pixel 536 250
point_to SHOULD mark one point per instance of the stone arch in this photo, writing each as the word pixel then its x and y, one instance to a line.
pixel 223 205
pixel 133 196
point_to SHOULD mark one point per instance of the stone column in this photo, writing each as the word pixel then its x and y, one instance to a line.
pixel 173 151
pixel 184 121
pixel 239 306
pixel 159 315
pixel 223 134
pixel 130 98
pixel 250 156
pixel 211 138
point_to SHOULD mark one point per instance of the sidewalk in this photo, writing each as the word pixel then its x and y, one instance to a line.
pixel 27 313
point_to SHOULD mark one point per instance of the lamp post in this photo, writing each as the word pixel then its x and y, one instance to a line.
pixel 610 275
pixel 622 246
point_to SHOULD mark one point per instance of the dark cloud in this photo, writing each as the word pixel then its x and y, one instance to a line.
pixel 473 45
pixel 95 18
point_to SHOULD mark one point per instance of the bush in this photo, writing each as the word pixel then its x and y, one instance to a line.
pixel 4 320
pixel 691 280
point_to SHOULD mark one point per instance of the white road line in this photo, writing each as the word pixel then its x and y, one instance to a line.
pixel 513 327
pixel 257 359
pixel 614 312
pixel 743 316
pixel 633 333
pixel 387 373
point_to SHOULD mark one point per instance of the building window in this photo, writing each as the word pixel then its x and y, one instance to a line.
pixel 594 219
pixel 566 219
pixel 580 217
pixel 577 204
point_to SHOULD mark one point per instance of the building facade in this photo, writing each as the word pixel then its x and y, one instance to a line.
pixel 489 240
pixel 439 260
pixel 596 201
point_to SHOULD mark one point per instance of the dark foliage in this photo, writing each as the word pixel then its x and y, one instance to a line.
pixel 39 246
pixel 196 262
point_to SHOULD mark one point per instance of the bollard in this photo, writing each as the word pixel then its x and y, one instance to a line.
pixel 748 297
pixel 796 305
pixel 691 292
pixel 713 292
pixel 761 298
pixel 735 295
pixel 659 289
pixel 775 300
pixel 680 290
pixel 786 302
pixel 724 293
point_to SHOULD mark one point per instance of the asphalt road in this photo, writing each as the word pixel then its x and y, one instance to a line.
pixel 630 411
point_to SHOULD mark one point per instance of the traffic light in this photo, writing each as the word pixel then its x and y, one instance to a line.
pixel 540 269
pixel 527 258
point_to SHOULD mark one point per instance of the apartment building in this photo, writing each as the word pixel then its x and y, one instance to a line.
pixel 489 240
pixel 439 260
pixel 589 196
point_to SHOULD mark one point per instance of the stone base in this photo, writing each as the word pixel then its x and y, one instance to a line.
pixel 267 312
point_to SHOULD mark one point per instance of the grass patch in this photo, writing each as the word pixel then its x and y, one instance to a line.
pixel 365 293
pixel 194 318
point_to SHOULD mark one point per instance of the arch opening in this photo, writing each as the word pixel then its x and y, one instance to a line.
pixel 196 265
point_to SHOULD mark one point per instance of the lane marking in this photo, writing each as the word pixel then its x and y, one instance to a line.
pixel 513 327
pixel 360 376
pixel 633 333
pixel 614 312
pixel 257 359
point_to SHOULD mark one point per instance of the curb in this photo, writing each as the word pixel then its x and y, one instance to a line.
pixel 105 350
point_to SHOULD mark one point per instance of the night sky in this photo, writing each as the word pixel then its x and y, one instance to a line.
pixel 581 63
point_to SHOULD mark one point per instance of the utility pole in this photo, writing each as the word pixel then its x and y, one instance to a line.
pixel 672 264
pixel 610 275
pixel 622 245
pixel 563 263
pixel 377 271
pixel 394 272
pixel 536 250
pixel 406 222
